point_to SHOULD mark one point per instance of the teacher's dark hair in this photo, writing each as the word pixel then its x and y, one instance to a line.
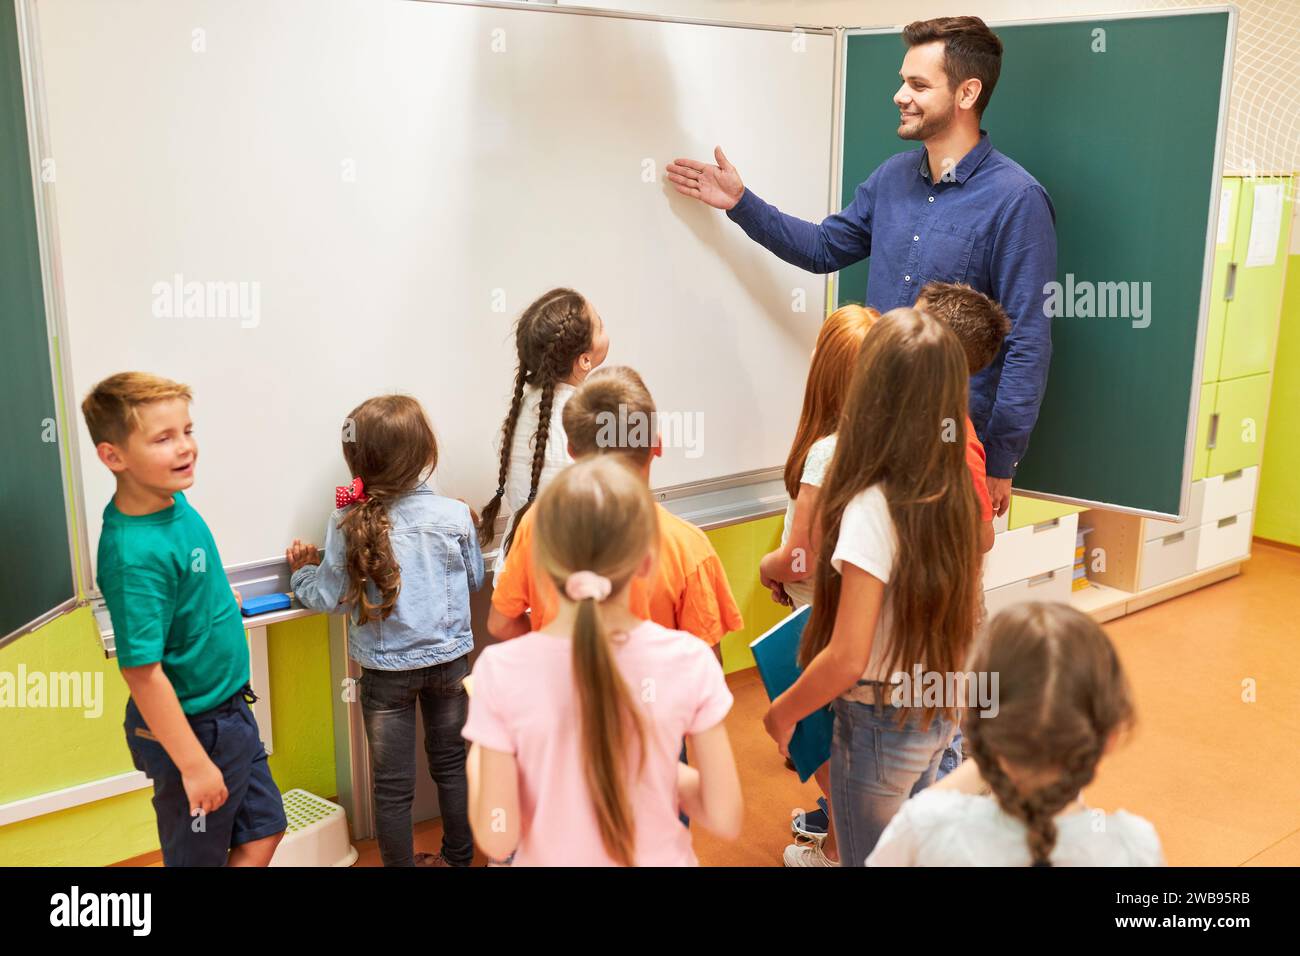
pixel 970 50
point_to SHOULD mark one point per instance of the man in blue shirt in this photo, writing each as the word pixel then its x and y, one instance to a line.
pixel 955 211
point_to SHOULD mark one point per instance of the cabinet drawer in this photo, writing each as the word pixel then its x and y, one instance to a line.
pixel 1241 407
pixel 1027 511
pixel 1051 585
pixel 1028 552
pixel 1170 557
pixel 1155 528
pixel 1224 540
pixel 1230 494
pixel 1229 199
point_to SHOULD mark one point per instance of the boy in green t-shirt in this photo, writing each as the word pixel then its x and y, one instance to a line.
pixel 179 634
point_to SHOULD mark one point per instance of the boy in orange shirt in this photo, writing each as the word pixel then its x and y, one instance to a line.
pixel 688 590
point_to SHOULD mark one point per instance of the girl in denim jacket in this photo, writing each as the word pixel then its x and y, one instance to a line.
pixel 401 561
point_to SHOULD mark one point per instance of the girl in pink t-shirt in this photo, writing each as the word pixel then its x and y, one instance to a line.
pixel 576 729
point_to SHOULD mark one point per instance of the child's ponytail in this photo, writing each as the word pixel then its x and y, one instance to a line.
pixel 610 723
pixel 595 525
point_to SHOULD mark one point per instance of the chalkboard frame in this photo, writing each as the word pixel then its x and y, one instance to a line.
pixel 51 300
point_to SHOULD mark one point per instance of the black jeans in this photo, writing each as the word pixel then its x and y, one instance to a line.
pixel 388 705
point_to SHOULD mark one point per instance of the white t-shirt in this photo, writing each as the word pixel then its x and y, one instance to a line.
pixel 556 458
pixel 815 467
pixel 951 828
pixel 868 541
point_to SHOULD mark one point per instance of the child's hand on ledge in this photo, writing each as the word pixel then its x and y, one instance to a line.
pixel 239 598
pixel 299 554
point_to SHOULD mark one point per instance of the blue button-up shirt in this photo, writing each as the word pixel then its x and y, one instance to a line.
pixel 987 223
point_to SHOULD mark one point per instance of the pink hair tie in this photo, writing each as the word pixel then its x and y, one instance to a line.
pixel 587 584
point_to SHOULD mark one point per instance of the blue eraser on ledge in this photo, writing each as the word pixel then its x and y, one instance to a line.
pixel 265 604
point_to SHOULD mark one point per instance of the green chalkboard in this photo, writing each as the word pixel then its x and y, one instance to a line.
pixel 35 554
pixel 1124 141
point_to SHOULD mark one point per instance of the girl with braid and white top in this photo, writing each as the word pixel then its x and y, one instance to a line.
pixel 1062 703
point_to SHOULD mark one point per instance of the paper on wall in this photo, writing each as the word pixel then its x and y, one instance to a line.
pixel 1265 225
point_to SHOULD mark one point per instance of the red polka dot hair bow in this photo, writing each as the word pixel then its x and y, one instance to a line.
pixel 345 495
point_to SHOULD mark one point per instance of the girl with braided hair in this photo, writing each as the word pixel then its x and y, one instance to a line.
pixel 1062 702
pixel 559 341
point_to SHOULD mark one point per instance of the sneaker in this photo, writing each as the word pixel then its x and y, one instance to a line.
pixel 430 859
pixel 797 855
pixel 811 826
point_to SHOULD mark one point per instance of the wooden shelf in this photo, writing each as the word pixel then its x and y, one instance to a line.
pixel 1104 603
pixel 1101 602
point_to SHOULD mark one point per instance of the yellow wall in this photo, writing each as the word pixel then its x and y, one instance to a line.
pixel 1278 511
pixel 47 749
pixel 740 546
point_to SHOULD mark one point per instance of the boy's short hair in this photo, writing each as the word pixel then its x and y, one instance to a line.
pixel 612 411
pixel 112 409
pixel 980 323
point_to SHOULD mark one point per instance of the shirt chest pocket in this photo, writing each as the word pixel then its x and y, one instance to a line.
pixel 946 251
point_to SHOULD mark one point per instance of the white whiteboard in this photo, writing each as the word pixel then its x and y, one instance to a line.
pixel 386 172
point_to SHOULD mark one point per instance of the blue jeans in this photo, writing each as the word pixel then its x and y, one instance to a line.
pixel 388 705
pixel 875 766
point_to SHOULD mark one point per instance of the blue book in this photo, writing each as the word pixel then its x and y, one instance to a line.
pixel 775 652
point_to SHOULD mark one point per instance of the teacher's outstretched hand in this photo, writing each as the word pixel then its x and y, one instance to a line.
pixel 719 185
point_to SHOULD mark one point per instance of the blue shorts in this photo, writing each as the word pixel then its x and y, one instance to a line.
pixel 253 808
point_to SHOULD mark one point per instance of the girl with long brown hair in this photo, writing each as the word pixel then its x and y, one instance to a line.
pixel 576 728
pixel 898 574
pixel 788 571
pixel 559 341
pixel 1061 703
pixel 402 561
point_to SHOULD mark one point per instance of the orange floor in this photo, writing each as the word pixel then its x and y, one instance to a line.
pixel 1218 776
